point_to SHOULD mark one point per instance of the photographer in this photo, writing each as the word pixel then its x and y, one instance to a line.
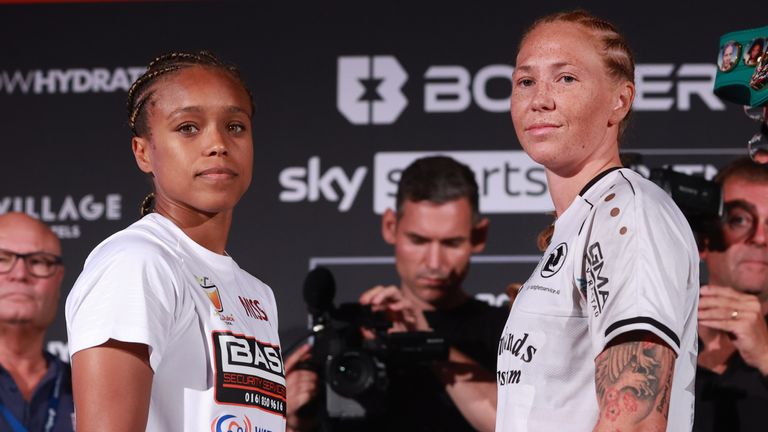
pixel 731 384
pixel 435 230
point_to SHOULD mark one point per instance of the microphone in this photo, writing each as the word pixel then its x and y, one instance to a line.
pixel 319 290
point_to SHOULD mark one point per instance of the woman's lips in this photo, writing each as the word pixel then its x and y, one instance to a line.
pixel 218 173
pixel 541 128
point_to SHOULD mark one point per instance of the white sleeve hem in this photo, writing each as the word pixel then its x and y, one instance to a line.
pixel 94 338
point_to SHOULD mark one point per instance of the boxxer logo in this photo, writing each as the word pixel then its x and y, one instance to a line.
pixel 369 89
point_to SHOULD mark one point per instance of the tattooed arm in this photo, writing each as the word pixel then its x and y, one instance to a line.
pixel 633 381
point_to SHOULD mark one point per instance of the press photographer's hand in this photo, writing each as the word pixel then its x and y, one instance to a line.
pixel 405 316
pixel 740 315
pixel 302 387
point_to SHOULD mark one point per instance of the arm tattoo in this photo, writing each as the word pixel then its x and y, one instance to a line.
pixel 663 406
pixel 632 378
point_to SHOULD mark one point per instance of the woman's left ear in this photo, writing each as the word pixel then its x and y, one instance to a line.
pixel 625 95
pixel 140 147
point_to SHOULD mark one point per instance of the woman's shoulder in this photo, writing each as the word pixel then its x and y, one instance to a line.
pixel 626 186
pixel 631 203
pixel 145 239
pixel 252 281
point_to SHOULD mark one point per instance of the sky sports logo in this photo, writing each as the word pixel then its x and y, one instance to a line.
pixel 63 81
pixel 370 88
pixel 509 181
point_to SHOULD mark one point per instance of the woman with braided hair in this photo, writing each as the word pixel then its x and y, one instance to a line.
pixel 166 332
pixel 602 336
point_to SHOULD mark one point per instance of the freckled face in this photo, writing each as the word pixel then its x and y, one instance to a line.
pixel 200 148
pixel 563 98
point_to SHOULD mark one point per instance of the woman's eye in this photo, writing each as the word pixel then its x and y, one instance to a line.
pixel 568 79
pixel 188 128
pixel 236 127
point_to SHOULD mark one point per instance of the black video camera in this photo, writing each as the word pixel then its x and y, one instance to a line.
pixel 700 200
pixel 355 369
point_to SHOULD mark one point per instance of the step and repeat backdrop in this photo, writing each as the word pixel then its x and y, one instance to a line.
pixel 347 94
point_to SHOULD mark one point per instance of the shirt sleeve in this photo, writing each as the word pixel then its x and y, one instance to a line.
pixel 127 292
pixel 636 267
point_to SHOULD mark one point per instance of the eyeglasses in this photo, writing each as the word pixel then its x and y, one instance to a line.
pixel 740 220
pixel 38 264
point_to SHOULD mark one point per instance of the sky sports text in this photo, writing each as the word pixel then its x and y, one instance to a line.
pixel 509 181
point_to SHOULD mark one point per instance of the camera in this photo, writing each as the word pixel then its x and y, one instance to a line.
pixel 355 354
pixel 700 200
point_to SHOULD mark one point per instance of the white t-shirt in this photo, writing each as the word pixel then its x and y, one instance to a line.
pixel 211 328
pixel 622 258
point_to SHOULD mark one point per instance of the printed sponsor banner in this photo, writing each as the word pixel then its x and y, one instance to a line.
pixel 509 181
pixel 249 372
pixel 63 81
pixel 64 214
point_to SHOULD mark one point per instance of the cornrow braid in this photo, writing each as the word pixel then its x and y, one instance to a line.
pixel 617 54
pixel 141 90
pixel 147 204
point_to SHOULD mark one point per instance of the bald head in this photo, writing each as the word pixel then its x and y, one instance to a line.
pixel 27 300
pixel 23 234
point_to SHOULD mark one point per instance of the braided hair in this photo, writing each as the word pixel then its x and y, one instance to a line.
pixel 142 89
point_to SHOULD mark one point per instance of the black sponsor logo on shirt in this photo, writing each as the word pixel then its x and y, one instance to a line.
pixel 511 376
pixel 248 372
pixel 597 290
pixel 517 347
pixel 554 261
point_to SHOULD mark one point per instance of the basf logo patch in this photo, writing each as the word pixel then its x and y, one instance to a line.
pixel 509 181
pixel 369 89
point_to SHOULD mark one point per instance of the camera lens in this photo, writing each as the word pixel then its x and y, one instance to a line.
pixel 351 373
